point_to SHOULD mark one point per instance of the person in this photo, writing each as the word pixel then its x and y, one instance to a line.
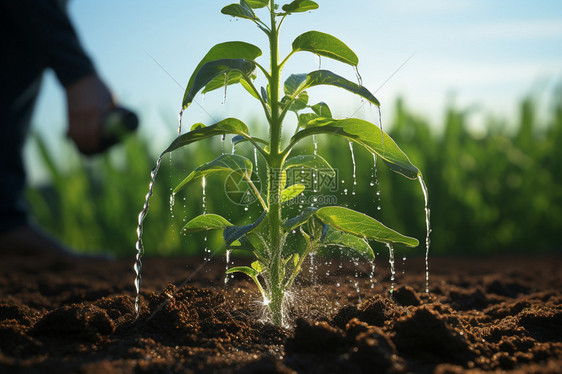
pixel 38 35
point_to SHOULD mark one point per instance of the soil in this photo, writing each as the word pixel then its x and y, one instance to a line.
pixel 481 315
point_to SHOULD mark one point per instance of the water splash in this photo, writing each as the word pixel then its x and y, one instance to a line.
pixel 391 262
pixel 427 231
pixel 139 245
pixel 354 168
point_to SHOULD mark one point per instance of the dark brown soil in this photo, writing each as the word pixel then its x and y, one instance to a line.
pixel 486 314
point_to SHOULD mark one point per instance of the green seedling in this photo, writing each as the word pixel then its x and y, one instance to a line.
pixel 278 257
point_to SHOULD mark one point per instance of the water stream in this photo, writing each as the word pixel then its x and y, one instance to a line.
pixel 427 232
pixel 375 182
pixel 354 168
pixel 139 245
pixel 391 262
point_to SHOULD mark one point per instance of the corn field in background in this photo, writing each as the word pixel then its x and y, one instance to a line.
pixel 495 191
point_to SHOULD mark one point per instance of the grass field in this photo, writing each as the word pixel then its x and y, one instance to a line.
pixel 490 191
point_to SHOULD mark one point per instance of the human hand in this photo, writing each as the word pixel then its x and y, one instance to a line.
pixel 87 101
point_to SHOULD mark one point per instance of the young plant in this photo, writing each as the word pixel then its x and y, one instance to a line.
pixel 279 258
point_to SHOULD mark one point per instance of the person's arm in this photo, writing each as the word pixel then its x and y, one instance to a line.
pixel 45 28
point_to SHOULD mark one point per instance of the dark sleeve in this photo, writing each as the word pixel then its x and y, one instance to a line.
pixel 43 25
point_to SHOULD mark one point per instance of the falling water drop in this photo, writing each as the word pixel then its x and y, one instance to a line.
pixel 358 290
pixel 354 168
pixel 223 137
pixel 372 274
pixel 315 143
pixel 204 189
pixel 427 231
pixel 380 126
pixel 179 121
pixel 233 148
pixel 172 202
pixel 139 245
pixel 312 269
pixel 225 87
pixel 375 182
pixel 227 264
pixel 256 159
pixel 358 76
pixel 391 261
pixel 319 62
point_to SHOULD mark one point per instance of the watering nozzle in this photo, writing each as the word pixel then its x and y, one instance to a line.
pixel 116 124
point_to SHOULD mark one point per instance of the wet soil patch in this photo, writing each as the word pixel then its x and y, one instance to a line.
pixel 481 315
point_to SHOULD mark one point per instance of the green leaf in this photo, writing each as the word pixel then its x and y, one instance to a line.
pixel 256 4
pixel 234 233
pixel 345 240
pixel 234 164
pixel 305 118
pixel 299 220
pixel 314 162
pixel 300 102
pixel 209 71
pixel 298 6
pixel 322 110
pixel 227 50
pixel 325 45
pixel 200 131
pixel 249 88
pixel 206 222
pixel 242 10
pixel 243 269
pixel 221 81
pixel 326 77
pixel 258 266
pixel 359 224
pixel 293 83
pixel 366 134
pixel 292 192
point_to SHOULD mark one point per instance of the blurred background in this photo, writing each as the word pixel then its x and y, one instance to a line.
pixel 470 90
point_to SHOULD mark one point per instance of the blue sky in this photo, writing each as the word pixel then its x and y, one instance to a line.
pixel 477 52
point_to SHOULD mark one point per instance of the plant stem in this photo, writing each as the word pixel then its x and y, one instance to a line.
pixel 274 178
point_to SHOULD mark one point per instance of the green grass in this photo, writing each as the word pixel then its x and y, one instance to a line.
pixel 494 192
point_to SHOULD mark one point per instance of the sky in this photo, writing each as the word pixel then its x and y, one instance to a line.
pixel 473 54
